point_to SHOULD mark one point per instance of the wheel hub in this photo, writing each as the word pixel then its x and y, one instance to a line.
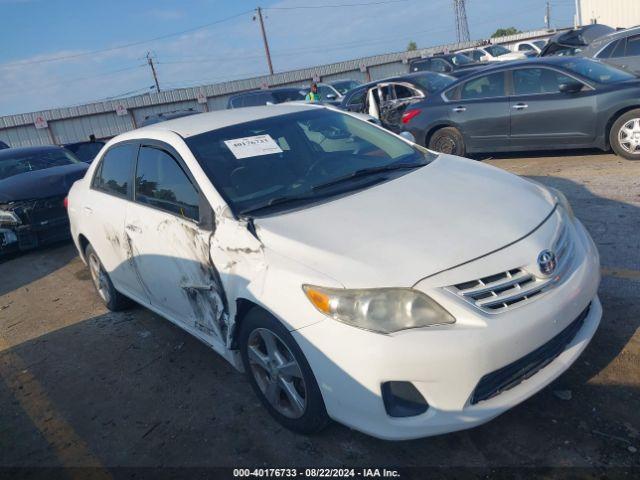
pixel 629 136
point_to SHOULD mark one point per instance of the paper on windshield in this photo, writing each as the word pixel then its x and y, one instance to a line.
pixel 252 146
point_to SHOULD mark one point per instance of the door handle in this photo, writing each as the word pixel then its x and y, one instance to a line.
pixel 133 228
pixel 88 209
pixel 459 109
pixel 520 106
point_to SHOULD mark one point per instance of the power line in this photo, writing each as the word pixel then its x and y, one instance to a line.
pixel 336 6
pixel 120 47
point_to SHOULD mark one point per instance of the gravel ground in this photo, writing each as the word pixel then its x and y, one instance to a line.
pixel 82 386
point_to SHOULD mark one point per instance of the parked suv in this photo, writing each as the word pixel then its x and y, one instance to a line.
pixel 271 96
pixel 621 49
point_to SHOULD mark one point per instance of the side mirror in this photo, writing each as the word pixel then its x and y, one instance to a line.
pixel 570 87
pixel 408 136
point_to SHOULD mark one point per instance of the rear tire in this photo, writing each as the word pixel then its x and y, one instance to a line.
pixel 280 375
pixel 113 299
pixel 448 140
pixel 624 136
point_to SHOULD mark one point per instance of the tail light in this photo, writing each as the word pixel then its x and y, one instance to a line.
pixel 65 202
pixel 409 115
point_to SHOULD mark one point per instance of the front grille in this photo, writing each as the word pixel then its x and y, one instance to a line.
pixel 498 292
pixel 513 374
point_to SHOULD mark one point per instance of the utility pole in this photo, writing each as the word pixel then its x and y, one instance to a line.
pixel 264 38
pixel 547 17
pixel 153 71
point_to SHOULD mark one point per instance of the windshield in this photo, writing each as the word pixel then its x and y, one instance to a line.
pixel 288 95
pixel 433 82
pixel 598 72
pixel 85 151
pixel 345 85
pixel 31 161
pixel 460 59
pixel 300 156
pixel 497 50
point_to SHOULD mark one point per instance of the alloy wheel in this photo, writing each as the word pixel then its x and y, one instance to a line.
pixel 99 277
pixel 629 136
pixel 277 373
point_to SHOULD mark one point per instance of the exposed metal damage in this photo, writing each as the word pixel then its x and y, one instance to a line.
pixel 27 224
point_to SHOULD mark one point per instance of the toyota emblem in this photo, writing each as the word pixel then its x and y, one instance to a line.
pixel 547 262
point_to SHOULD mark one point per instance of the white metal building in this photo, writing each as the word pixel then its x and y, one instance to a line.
pixel 615 13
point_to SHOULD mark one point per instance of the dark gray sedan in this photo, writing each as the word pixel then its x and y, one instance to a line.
pixel 538 104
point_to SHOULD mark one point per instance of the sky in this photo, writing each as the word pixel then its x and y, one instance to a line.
pixel 58 53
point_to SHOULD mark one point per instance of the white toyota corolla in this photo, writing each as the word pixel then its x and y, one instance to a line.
pixel 352 274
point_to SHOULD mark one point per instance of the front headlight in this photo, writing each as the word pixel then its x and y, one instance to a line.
pixel 562 201
pixel 382 310
pixel 9 218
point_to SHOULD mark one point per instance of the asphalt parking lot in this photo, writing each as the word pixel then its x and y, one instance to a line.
pixel 82 386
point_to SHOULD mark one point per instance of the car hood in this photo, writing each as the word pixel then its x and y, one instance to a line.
pixel 44 183
pixel 398 232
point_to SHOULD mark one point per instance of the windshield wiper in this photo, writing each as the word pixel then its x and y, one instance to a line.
pixel 363 172
pixel 278 201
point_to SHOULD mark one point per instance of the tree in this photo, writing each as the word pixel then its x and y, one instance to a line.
pixel 412 46
pixel 503 32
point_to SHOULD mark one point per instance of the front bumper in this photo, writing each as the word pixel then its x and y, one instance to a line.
pixel 44 222
pixel 447 363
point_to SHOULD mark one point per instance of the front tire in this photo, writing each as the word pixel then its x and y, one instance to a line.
pixel 448 140
pixel 113 299
pixel 624 136
pixel 280 375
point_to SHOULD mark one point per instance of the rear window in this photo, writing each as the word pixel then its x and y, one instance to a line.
pixel 114 172
pixel 31 161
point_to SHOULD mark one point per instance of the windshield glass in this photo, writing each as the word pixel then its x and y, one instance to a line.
pixel 460 59
pixel 265 162
pixel 345 85
pixel 497 50
pixel 433 82
pixel 31 161
pixel 598 72
pixel 288 95
pixel 85 151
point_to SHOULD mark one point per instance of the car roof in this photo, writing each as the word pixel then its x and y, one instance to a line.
pixel 204 122
pixel 12 152
pixel 399 78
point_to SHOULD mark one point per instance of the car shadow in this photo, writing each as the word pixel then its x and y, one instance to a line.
pixel 42 262
pixel 135 390
pixel 535 154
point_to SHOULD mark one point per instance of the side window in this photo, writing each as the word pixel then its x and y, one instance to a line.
pixel 420 65
pixel 633 46
pixel 620 48
pixel 524 47
pixel 405 92
pixel 488 86
pixel 358 97
pixel 114 172
pixel 161 182
pixel 608 50
pixel 475 54
pixel 439 65
pixel 531 81
pixel 255 100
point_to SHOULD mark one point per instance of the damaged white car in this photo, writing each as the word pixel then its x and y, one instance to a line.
pixel 353 275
